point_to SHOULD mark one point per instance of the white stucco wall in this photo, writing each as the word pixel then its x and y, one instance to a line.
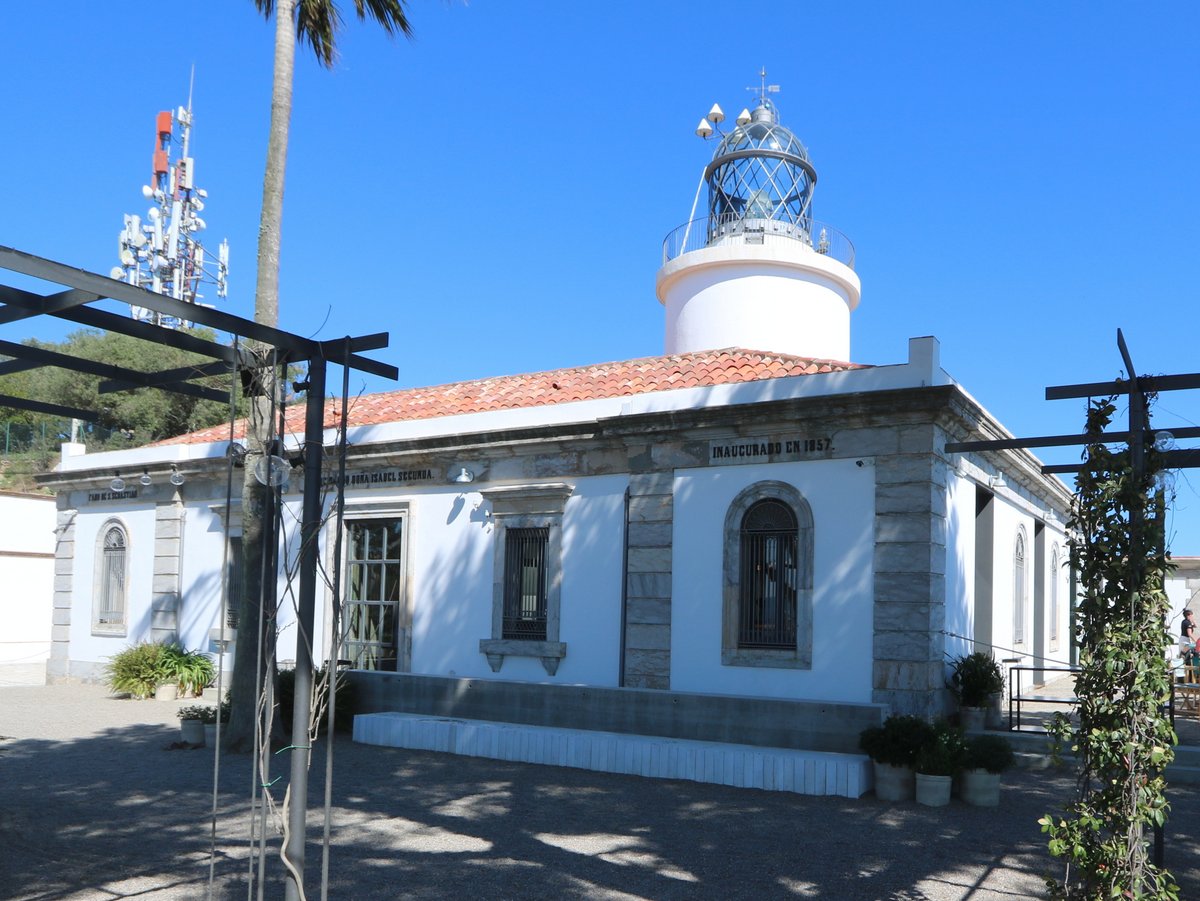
pixel 960 565
pixel 138 522
pixel 842 498
pixel 27 574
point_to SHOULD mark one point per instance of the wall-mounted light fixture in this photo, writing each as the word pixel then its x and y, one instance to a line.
pixel 118 483
pixel 461 475
pixel 997 482
pixel 177 478
pixel 145 480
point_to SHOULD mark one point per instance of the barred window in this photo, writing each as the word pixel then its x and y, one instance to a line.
pixel 1019 590
pixel 767 611
pixel 767 595
pixel 1054 598
pixel 525 584
pixel 111 581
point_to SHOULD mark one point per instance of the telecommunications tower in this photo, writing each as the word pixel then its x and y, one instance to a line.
pixel 164 253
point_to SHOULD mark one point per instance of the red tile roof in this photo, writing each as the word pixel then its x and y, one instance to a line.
pixel 602 380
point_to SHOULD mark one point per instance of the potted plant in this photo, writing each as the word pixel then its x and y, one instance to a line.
pixel 190 671
pixel 137 671
pixel 191 723
pixel 893 748
pixel 207 714
pixel 974 680
pixel 938 761
pixel 987 756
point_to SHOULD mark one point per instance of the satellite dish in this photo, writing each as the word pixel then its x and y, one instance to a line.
pixel 127 257
pixel 116 272
pixel 147 191
pixel 272 471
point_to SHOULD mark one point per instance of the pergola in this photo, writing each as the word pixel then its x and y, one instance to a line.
pixel 74 303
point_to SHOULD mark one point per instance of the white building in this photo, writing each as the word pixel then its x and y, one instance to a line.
pixel 745 539
pixel 27 540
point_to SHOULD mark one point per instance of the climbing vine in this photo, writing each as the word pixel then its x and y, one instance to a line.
pixel 1123 739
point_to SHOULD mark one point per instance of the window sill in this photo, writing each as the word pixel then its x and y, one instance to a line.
pixel 496 649
pixel 765 657
pixel 111 632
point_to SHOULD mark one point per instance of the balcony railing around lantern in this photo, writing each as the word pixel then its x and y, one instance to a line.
pixel 712 232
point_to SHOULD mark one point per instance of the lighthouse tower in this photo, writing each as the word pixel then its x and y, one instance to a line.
pixel 758 271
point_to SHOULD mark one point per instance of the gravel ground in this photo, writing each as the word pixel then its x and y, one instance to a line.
pixel 94 804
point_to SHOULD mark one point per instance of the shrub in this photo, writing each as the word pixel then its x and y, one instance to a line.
pixel 975 677
pixel 943 752
pixel 137 670
pixel 206 713
pixel 191 670
pixel 897 741
pixel 993 753
pixel 344 714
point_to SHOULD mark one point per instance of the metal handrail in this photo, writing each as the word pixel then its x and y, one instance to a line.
pixel 1015 696
pixel 708 231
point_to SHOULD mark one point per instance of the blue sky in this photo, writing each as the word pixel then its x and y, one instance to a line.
pixel 1018 179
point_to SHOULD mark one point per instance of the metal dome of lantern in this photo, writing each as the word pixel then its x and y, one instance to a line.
pixel 757 271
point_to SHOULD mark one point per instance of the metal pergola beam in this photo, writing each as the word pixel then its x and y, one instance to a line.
pixel 105 370
pixel 957 447
pixel 166 378
pixel 1123 386
pixel 51 303
pixel 293 348
pixel 123 325
pixel 37 406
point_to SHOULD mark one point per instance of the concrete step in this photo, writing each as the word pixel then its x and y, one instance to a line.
pixel 744 766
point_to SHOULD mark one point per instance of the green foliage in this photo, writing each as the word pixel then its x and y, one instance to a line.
pixel 993 753
pixel 975 677
pixel 942 753
pixel 192 671
pixel 140 669
pixel 1123 740
pixel 137 670
pixel 126 418
pixel 344 714
pixel 897 741
pixel 206 713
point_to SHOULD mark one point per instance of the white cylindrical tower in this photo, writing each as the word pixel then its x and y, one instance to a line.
pixel 758 272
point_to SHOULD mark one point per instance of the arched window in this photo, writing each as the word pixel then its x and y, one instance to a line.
pixel 112 567
pixel 1054 598
pixel 1019 590
pixel 767 612
pixel 767 617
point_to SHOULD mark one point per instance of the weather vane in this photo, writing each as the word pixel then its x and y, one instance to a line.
pixel 763 88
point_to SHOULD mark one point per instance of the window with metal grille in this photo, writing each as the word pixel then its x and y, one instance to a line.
pixel 1054 598
pixel 525 584
pixel 1019 591
pixel 374 574
pixel 233 582
pixel 110 609
pixel 769 579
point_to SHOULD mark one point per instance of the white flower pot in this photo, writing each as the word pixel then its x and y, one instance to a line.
pixel 972 718
pixel 210 735
pixel 980 788
pixel 893 783
pixel 995 710
pixel 191 731
pixel 166 692
pixel 933 791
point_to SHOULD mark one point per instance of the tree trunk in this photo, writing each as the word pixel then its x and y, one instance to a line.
pixel 258 535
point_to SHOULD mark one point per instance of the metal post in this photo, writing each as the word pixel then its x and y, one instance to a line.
pixel 310 523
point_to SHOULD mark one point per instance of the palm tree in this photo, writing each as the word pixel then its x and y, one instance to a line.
pixel 316 23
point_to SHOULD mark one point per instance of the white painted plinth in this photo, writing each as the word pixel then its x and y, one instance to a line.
pixel 744 766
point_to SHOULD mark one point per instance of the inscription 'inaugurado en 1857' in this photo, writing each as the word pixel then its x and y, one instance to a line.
pixel 766 449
